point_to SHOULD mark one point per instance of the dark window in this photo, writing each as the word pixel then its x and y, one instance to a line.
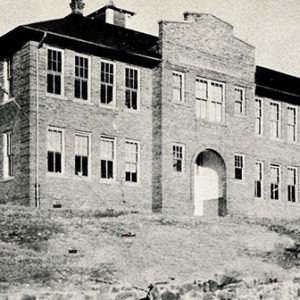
pixel 275 181
pixel 81 155
pixel 131 88
pixel 107 83
pixel 81 78
pixel 238 167
pixel 132 160
pixel 54 150
pixel 292 184
pixel 54 76
pixel 107 158
pixel 258 179
pixel 178 154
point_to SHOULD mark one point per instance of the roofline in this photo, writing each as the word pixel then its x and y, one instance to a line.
pixel 276 90
pixel 92 43
pixel 131 13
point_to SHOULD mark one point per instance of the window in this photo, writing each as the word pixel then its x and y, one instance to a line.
pixel 107 154
pixel 275 182
pixel 132 161
pixel 81 78
pixel 239 101
pixel 258 117
pixel 292 124
pixel 209 100
pixel 239 167
pixel 178 158
pixel 55 150
pixel 82 152
pixel 274 120
pixel 7 79
pixel 8 155
pixel 107 83
pixel 258 184
pixel 131 88
pixel 292 189
pixel 54 72
pixel 201 98
pixel 178 87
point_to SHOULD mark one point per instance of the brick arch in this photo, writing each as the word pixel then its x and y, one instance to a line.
pixel 210 195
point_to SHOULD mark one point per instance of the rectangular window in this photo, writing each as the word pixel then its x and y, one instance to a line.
pixel 201 98
pixel 107 155
pixel 239 167
pixel 54 72
pixel 55 150
pixel 292 188
pixel 132 161
pixel 131 88
pixel 258 184
pixel 81 89
pixel 239 101
pixel 292 124
pixel 7 79
pixel 8 155
pixel 216 107
pixel 258 117
pixel 274 120
pixel 275 182
pixel 178 87
pixel 107 83
pixel 82 153
pixel 178 158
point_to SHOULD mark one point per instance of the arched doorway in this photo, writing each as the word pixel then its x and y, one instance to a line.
pixel 209 184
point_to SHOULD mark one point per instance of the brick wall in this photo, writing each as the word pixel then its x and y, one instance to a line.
pixel 74 115
pixel 207 48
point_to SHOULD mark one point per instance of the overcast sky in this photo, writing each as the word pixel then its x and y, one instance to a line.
pixel 272 26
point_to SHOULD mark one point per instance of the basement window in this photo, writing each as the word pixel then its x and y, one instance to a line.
pixel 275 182
pixel 107 85
pixel 132 161
pixel 54 71
pixel 107 154
pixel 132 88
pixel 239 167
pixel 292 188
pixel 81 78
pixel 8 171
pixel 55 150
pixel 178 158
pixel 82 151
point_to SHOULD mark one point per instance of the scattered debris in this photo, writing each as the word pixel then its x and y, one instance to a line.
pixel 128 234
pixel 72 251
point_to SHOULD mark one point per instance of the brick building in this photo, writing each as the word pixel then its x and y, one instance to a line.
pixel 96 115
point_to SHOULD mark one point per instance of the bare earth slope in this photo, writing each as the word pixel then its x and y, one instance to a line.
pixel 136 249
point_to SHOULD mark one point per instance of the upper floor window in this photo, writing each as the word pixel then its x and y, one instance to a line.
pixel 258 184
pixel 292 124
pixel 8 155
pixel 82 153
pixel 239 167
pixel 81 88
pixel 292 188
pixel 178 158
pixel 209 100
pixel 132 161
pixel 107 157
pixel 178 87
pixel 275 182
pixel 54 72
pixel 55 150
pixel 132 88
pixel 258 116
pixel 274 120
pixel 239 101
pixel 107 85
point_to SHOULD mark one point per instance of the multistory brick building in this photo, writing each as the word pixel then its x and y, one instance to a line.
pixel 95 115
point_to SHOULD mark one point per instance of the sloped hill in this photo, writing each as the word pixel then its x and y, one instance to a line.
pixel 64 248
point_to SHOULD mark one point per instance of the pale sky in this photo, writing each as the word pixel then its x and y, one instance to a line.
pixel 272 26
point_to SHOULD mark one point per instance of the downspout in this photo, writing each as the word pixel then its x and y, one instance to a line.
pixel 37 184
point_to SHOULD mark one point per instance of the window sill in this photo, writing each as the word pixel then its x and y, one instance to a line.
pixel 62 97
pixel 243 116
pixel 82 101
pixel 240 181
pixel 108 106
pixel 84 178
pixel 108 181
pixel 6 179
pixel 209 123
pixel 132 184
pixel 133 111
pixel 56 175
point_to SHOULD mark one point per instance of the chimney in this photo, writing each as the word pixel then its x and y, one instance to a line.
pixel 112 15
pixel 77 7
